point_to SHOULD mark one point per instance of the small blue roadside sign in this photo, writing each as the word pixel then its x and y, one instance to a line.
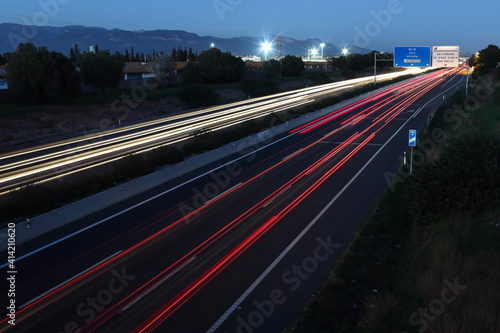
pixel 417 56
pixel 412 142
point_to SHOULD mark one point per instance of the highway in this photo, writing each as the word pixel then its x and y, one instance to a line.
pixel 49 161
pixel 239 250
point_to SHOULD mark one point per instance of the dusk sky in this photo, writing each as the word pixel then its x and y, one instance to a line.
pixel 373 24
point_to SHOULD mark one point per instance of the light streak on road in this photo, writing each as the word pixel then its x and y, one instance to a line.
pixel 51 161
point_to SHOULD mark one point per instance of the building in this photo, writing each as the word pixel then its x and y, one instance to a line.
pixel 251 58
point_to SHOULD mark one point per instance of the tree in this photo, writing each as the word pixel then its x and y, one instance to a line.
pixel 3 61
pixel 487 59
pixel 191 56
pixel 192 73
pixel 37 76
pixel 100 70
pixel 65 80
pixel 292 66
pixel 272 68
pixel 220 67
pixel 74 53
pixel 338 63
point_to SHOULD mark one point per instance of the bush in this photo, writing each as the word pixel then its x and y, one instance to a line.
pixel 348 73
pixel 258 86
pixel 131 166
pixel 198 95
pixel 165 155
pixel 465 178
pixel 317 76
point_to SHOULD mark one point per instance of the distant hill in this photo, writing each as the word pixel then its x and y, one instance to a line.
pixel 62 39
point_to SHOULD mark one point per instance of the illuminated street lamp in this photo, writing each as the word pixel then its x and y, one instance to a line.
pixel 322 50
pixel 312 53
pixel 345 51
pixel 266 47
pixel 212 45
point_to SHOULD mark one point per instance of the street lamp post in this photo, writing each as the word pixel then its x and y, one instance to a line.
pixel 266 47
pixel 322 50
pixel 467 82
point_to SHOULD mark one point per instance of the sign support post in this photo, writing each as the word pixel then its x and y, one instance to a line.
pixel 379 56
pixel 411 160
pixel 412 142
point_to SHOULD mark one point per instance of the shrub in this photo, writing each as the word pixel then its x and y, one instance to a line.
pixel 198 95
pixel 258 86
pixel 465 178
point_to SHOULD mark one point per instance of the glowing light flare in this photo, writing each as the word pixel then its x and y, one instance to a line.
pixel 266 46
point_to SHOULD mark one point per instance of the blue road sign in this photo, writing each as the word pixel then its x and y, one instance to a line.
pixel 412 142
pixel 419 56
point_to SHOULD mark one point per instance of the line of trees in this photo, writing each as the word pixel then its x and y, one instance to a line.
pixel 357 62
pixel 38 76
pixel 176 54
pixel 214 66
pixel 288 66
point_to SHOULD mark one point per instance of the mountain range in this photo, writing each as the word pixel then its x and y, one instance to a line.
pixel 62 39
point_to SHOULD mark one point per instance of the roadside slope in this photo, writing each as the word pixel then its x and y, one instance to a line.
pixel 427 258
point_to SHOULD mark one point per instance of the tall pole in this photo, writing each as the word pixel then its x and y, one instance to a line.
pixel 411 160
pixel 467 81
pixel 374 68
